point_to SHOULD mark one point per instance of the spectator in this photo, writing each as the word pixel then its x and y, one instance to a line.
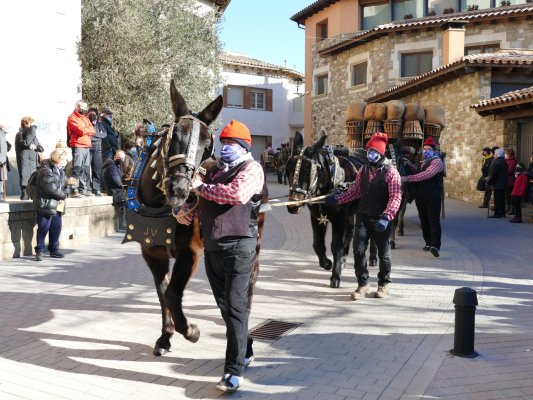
pixel 510 158
pixel 498 180
pixel 49 203
pixel 110 142
pixel 96 152
pixel 519 191
pixel 428 195
pixel 485 166
pixel 270 149
pixel 230 197
pixel 113 181
pixel 4 163
pixel 379 190
pixel 80 130
pixel 27 147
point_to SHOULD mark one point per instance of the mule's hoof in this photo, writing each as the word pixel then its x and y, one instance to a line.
pixel 392 244
pixel 335 283
pixel 400 233
pixel 159 351
pixel 372 262
pixel 193 333
pixel 327 265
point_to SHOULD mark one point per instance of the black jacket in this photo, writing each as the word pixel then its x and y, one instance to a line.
pixel 112 175
pixel 27 160
pixel 50 183
pixel 110 141
pixel 498 174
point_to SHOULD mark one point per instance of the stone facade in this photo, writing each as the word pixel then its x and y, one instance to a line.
pixel 84 221
pixel 465 134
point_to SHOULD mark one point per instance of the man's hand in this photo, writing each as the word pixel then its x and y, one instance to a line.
pixel 184 217
pixel 382 224
pixel 405 180
pixel 330 200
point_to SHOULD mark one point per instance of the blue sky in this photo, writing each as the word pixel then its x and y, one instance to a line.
pixel 263 30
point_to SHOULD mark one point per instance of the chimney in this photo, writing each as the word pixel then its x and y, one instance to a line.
pixel 453 41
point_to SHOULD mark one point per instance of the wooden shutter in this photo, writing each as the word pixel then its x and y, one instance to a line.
pixel 225 95
pixel 246 100
pixel 268 100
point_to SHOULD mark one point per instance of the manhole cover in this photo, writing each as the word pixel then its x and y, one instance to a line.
pixel 272 330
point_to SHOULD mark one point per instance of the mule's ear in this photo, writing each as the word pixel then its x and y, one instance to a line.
pixel 210 113
pixel 319 144
pixel 179 105
pixel 297 144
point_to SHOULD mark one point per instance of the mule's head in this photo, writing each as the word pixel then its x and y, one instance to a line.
pixel 304 169
pixel 188 144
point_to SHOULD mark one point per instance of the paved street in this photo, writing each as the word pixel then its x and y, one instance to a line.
pixel 83 327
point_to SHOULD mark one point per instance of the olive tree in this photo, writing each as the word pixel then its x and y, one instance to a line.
pixel 130 49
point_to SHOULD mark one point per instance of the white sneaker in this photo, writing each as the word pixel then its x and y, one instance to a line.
pixel 360 292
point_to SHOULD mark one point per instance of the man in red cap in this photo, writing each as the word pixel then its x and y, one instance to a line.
pixel 230 196
pixel 428 195
pixel 379 191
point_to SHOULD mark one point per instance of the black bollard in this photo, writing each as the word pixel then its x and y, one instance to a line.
pixel 465 301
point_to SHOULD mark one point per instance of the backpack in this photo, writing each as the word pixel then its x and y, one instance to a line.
pixel 31 189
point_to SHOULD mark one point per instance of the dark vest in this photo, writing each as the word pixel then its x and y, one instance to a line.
pixel 375 196
pixel 431 185
pixel 219 221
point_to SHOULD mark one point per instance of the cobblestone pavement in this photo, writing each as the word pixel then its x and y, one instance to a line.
pixel 83 327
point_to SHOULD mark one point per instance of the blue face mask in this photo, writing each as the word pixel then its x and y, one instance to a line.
pixel 428 153
pixel 373 156
pixel 230 153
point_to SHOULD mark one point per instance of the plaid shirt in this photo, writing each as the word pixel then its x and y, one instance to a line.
pixel 395 190
pixel 240 190
pixel 433 169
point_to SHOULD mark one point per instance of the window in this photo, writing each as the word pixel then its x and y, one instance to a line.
pixel 298 104
pixel 359 74
pixel 415 64
pixel 464 5
pixel 376 14
pixel 235 97
pixel 322 31
pixel 405 9
pixel 485 48
pixel 257 99
pixel 322 84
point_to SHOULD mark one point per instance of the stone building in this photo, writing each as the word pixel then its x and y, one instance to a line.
pixel 454 60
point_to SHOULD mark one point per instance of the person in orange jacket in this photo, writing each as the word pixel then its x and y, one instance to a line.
pixel 519 191
pixel 80 130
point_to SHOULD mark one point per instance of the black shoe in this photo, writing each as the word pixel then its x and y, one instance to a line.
pixel 495 216
pixel 97 193
pixel 483 206
pixel 434 251
pixel 38 256
pixel 426 248
pixel 75 194
pixel 56 254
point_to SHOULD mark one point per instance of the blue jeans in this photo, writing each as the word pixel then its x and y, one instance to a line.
pixel 48 224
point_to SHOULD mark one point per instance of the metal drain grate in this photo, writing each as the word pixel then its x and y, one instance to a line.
pixel 272 330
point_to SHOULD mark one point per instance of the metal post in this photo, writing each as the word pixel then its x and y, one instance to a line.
pixel 465 301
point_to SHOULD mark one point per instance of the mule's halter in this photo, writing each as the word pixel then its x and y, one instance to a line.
pixel 313 176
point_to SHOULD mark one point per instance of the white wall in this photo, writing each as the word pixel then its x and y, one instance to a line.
pixel 276 123
pixel 40 72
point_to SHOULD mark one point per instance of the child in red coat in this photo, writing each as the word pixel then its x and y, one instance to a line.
pixel 519 191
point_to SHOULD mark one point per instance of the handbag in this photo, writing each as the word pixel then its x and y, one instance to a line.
pixel 119 196
pixel 481 184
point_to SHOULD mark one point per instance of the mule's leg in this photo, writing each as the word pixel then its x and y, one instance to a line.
pixel 319 235
pixel 342 233
pixel 280 176
pixel 400 216
pixel 157 260
pixel 392 237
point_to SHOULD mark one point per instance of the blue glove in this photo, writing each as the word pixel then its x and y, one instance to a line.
pixel 330 200
pixel 382 224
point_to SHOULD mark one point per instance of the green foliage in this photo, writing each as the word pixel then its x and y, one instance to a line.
pixel 130 49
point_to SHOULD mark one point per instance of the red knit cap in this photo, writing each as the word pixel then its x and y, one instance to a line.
pixel 239 132
pixel 430 142
pixel 378 142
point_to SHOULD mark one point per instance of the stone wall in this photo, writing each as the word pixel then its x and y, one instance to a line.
pixel 84 221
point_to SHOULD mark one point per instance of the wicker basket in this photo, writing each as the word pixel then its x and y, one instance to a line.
pixel 354 134
pixel 375 112
pixel 393 128
pixel 395 109
pixel 433 131
pixel 372 127
pixel 412 130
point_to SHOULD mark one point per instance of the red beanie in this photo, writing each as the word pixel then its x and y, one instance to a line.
pixel 430 142
pixel 378 142
pixel 237 131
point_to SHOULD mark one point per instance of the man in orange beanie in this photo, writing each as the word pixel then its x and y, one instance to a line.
pixel 428 195
pixel 230 196
pixel 379 192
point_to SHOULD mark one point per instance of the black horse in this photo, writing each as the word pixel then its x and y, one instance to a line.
pixel 162 187
pixel 315 171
